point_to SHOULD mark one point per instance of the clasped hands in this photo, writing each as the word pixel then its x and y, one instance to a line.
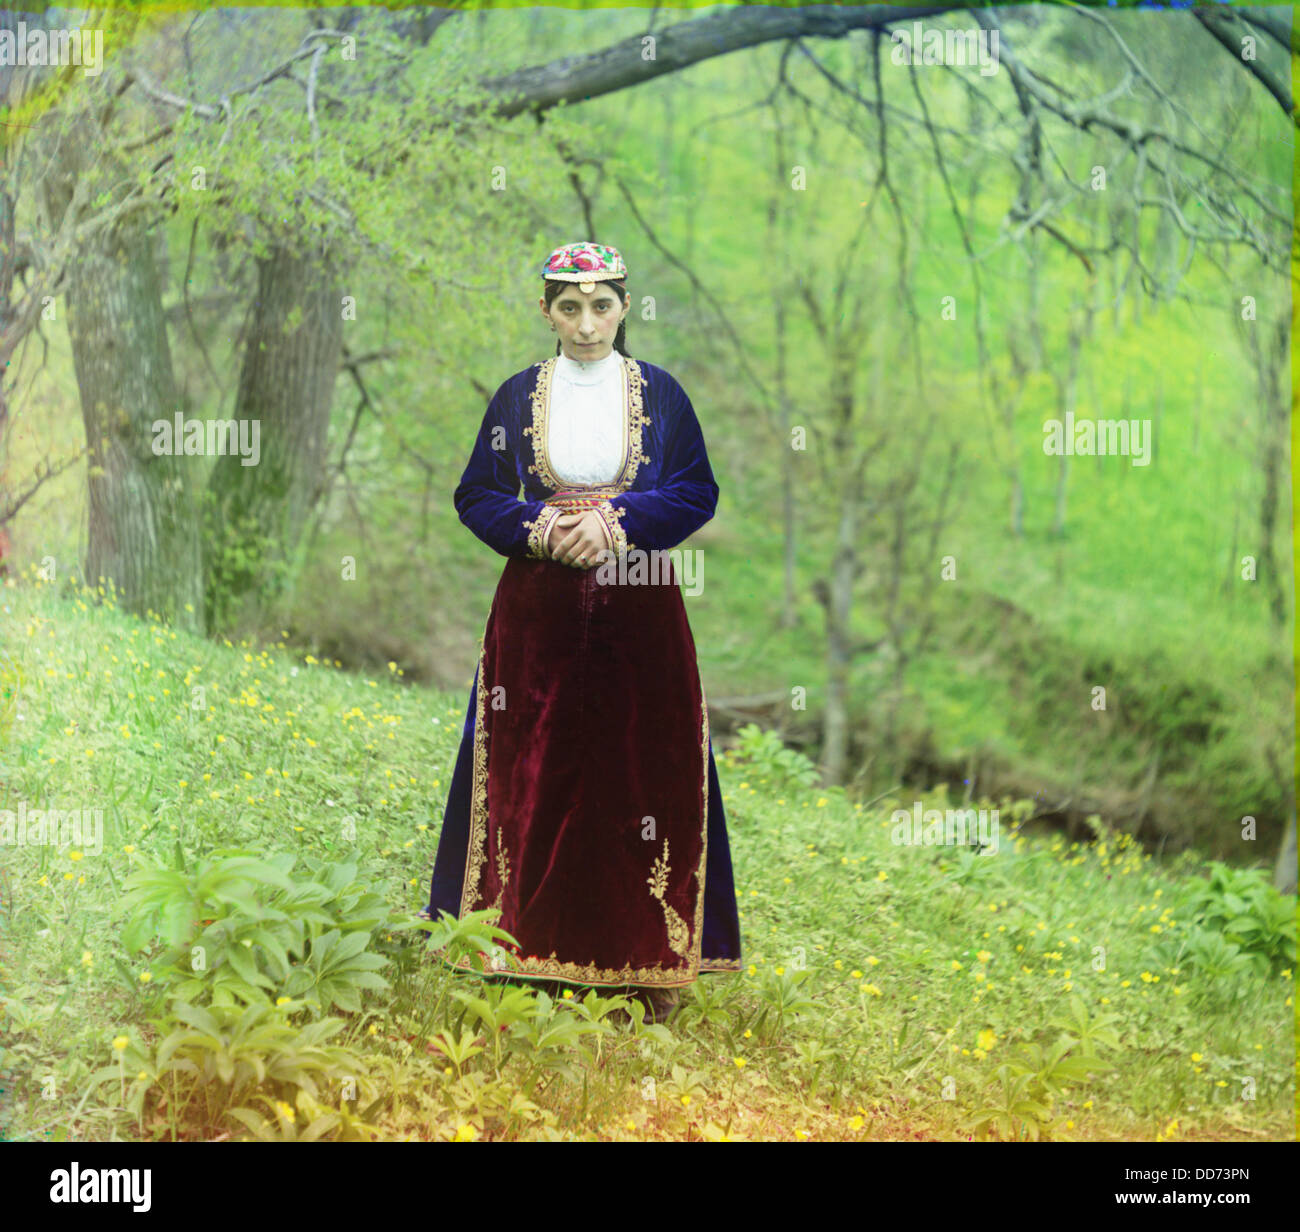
pixel 578 539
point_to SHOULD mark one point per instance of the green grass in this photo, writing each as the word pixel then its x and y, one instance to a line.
pixel 884 984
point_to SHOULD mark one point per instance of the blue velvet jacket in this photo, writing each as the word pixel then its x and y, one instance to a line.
pixel 664 490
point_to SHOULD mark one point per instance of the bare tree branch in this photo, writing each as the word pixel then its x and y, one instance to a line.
pixel 1225 27
pixel 575 78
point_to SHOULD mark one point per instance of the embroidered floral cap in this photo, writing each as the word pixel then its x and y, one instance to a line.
pixel 586 264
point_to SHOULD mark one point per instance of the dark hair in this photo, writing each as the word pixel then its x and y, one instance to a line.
pixel 553 288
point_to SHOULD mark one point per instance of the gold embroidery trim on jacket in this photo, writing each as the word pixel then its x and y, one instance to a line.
pixel 539 530
pixel 634 420
pixel 610 516
pixel 541 402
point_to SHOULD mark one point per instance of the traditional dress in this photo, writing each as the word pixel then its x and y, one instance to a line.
pixel 585 801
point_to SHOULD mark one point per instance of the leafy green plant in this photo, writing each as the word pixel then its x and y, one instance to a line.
pixel 336 970
pixel 782 1000
pixel 1086 1032
pixel 765 755
pixel 1015 1113
pixel 1242 907
pixel 493 1105
pixel 1029 1084
pixel 1216 957
pixel 705 1002
pixel 236 931
pixel 972 872
pixel 243 560
pixel 1029 1087
pixel 907 1048
pixel 309 1121
pixel 684 1086
pixel 238 928
pixel 216 1059
pixel 473 935
pixel 457 1049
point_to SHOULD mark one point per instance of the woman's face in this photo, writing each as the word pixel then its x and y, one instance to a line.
pixel 586 321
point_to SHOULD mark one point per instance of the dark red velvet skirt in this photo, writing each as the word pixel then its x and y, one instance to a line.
pixel 591 771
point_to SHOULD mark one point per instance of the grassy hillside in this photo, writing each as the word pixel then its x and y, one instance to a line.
pixel 284 814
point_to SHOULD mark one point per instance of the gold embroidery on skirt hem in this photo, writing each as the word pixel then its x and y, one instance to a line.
pixel 503 869
pixel 478 798
pixel 587 973
pixel 701 869
pixel 679 937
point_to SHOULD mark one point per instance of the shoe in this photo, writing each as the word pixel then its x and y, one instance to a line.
pixel 661 1004
pixel 417 936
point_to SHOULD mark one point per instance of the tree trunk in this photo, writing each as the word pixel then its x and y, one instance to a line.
pixel 143 528
pixel 1274 417
pixel 286 385
pixel 789 617
pixel 1062 489
pixel 1284 874
pixel 7 262
pixel 838 598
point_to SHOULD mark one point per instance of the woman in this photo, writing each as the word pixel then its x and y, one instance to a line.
pixel 585 801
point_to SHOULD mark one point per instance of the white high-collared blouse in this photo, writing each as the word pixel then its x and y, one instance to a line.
pixel 585 424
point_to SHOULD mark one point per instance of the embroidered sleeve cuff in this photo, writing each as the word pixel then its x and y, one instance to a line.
pixel 538 531
pixel 614 527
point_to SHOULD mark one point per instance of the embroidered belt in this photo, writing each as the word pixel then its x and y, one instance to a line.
pixel 570 499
